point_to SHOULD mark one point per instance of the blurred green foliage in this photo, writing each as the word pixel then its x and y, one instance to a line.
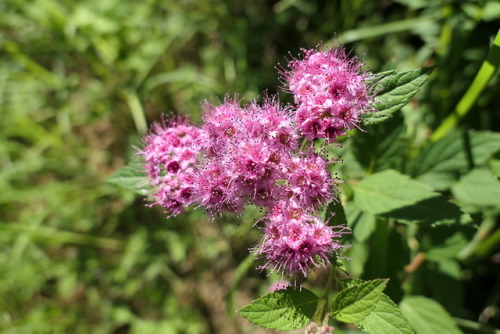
pixel 80 80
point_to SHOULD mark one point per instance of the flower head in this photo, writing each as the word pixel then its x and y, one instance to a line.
pixel 251 145
pixel 295 241
pixel 170 153
pixel 309 181
pixel 330 91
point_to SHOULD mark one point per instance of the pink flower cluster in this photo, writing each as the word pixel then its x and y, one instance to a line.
pixel 296 241
pixel 250 155
pixel 330 92
pixel 171 155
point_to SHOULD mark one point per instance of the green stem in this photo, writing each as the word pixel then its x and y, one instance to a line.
pixel 136 110
pixel 303 144
pixel 464 323
pixel 483 77
pixel 482 243
pixel 240 272
pixel 322 310
pixel 353 35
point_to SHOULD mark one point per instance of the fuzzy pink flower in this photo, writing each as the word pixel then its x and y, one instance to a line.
pixel 221 123
pixel 215 190
pixel 309 181
pixel 251 145
pixel 330 91
pixel 170 154
pixel 296 242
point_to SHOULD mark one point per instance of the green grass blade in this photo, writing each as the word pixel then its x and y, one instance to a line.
pixel 483 77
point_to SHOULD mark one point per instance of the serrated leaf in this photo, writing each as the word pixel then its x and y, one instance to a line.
pixel 394 195
pixel 354 303
pixel 478 190
pixel 131 177
pixel 394 91
pixel 339 264
pixel 348 282
pixel 427 316
pixel 386 318
pixel 282 310
pixel 441 163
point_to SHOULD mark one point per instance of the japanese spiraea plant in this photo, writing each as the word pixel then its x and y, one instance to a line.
pixel 252 154
pixel 276 157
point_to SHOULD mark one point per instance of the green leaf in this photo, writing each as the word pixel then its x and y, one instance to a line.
pixel 339 264
pixel 436 211
pixel 445 282
pixel 362 223
pixel 389 190
pixel 334 213
pixel 394 91
pixel 393 195
pixel 495 166
pixel 282 310
pixel 382 146
pixel 386 318
pixel 441 163
pixel 354 303
pixel 478 190
pixel 428 316
pixel 348 282
pixel 441 243
pixel 131 177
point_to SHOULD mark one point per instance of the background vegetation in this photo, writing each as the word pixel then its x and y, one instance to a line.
pixel 79 82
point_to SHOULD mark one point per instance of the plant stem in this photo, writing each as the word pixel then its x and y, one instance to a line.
pixel 136 110
pixel 240 272
pixel 483 77
pixel 322 310
pixel 464 323
pixel 481 244
pixel 303 144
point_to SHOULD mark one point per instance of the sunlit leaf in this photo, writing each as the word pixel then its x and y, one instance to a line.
pixel 478 190
pixel 385 318
pixel 428 316
pixel 283 310
pixel 355 302
pixel 394 91
pixel 394 195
